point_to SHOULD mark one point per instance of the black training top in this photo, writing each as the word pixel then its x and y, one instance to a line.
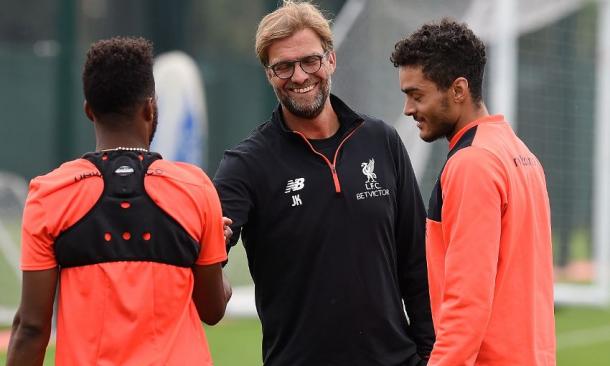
pixel 334 246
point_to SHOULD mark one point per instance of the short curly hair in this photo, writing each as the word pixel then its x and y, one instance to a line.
pixel 118 74
pixel 446 51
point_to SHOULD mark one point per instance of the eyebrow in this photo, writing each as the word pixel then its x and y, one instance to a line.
pixel 298 59
pixel 410 90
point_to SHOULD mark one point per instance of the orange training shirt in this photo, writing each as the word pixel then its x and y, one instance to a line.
pixel 489 253
pixel 124 312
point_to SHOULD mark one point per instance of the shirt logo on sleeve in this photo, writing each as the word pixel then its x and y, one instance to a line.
pixel 372 186
pixel 86 175
pixel 294 185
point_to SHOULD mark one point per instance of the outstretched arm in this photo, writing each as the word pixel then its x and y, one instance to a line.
pixel 233 182
pixel 211 292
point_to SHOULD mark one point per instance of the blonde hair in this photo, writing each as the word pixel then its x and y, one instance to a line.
pixel 288 19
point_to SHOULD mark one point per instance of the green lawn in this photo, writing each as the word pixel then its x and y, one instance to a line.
pixel 583 334
pixel 236 342
pixel 232 342
pixel 10 281
pixel 583 338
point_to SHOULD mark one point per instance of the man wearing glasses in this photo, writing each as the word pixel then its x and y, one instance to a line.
pixel 329 211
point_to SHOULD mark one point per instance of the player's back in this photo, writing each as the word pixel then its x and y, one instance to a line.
pixel 125 228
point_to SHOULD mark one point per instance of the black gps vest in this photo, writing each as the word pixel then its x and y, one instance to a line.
pixel 125 224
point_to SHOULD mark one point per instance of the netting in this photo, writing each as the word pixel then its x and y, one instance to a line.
pixel 13 190
pixel 543 72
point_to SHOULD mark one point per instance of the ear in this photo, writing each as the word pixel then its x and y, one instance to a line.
pixel 332 61
pixel 460 91
pixel 148 110
pixel 88 111
pixel 268 74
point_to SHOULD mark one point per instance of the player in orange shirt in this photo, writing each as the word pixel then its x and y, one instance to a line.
pixel 488 229
pixel 135 242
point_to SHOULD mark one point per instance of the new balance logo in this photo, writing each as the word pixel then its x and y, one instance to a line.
pixel 295 185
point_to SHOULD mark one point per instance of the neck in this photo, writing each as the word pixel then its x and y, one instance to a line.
pixel 114 141
pixel 472 114
pixel 322 126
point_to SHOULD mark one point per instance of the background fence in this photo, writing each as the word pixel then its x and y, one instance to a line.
pixel 548 72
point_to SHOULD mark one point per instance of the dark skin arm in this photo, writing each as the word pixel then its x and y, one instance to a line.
pixel 211 292
pixel 32 323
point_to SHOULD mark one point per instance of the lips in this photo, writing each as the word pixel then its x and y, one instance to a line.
pixel 303 89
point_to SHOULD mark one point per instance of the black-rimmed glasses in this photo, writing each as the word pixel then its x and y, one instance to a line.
pixel 309 64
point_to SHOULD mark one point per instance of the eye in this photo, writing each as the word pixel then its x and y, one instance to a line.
pixel 310 60
pixel 282 66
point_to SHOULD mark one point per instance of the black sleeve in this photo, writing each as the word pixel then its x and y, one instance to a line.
pixel 411 252
pixel 233 183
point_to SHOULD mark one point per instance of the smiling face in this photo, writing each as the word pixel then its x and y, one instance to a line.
pixel 431 107
pixel 303 95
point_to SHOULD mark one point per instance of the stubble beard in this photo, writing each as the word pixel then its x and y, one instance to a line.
pixel 310 110
pixel 443 126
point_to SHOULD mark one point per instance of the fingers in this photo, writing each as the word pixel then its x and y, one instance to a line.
pixel 227 229
pixel 228 233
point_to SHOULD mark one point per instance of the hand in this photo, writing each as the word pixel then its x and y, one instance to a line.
pixel 227 229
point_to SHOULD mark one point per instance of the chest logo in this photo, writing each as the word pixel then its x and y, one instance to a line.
pixel 372 186
pixel 294 185
pixel 368 170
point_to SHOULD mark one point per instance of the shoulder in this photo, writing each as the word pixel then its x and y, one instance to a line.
pixel 251 153
pixel 182 174
pixel 257 141
pixel 179 187
pixel 472 155
pixel 374 122
pixel 60 198
pixel 380 134
pixel 378 127
pixel 77 173
pixel 474 162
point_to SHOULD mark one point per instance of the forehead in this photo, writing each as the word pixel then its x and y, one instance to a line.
pixel 303 43
pixel 413 78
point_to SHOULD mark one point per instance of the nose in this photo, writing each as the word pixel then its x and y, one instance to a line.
pixel 299 76
pixel 409 109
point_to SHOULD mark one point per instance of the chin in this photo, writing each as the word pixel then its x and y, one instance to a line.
pixel 427 137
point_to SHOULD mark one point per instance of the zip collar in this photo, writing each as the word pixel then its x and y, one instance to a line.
pixel 486 119
pixel 345 116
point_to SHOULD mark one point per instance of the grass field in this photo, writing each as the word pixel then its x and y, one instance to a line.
pixel 583 338
pixel 583 334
